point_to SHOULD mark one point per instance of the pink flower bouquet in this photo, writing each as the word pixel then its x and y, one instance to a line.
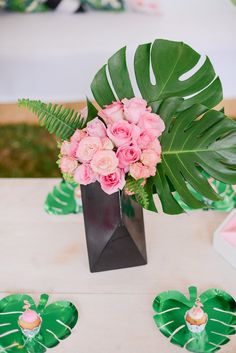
pixel 165 142
pixel 121 142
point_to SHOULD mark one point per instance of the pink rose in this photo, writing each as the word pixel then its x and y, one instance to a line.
pixel 121 133
pixel 140 171
pixel 84 112
pixel 73 149
pixel 135 133
pixel 155 146
pixel 152 171
pixel 78 135
pixel 96 128
pixel 136 170
pixel 113 182
pixel 145 138
pixel 112 112
pixel 152 122
pixel 134 108
pixel 68 165
pixel 104 162
pixel 84 175
pixel 128 155
pixel 69 149
pixel 65 148
pixel 88 146
pixel 150 158
pixel 107 144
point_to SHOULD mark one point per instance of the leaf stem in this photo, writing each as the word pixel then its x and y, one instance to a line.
pixel 42 302
pixel 192 293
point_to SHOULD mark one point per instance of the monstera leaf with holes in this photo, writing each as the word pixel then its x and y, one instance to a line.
pixel 58 320
pixel 62 200
pixel 184 91
pixel 196 139
pixel 172 306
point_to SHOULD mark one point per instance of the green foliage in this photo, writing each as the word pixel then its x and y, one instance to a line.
pixel 135 186
pixel 92 111
pixel 58 319
pixel 62 200
pixel 172 306
pixel 227 193
pixel 56 119
pixel 195 137
pixel 169 61
pixel 27 6
pixel 183 93
pixel 183 90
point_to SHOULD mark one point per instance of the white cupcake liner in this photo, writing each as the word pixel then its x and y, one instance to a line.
pixel 195 328
pixel 31 333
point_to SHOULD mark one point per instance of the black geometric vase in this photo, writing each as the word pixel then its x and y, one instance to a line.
pixel 114 229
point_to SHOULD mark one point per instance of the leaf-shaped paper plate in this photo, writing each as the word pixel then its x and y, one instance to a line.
pixel 227 193
pixel 64 199
pixel 171 308
pixel 52 323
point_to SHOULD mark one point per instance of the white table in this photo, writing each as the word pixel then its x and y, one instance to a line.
pixel 43 253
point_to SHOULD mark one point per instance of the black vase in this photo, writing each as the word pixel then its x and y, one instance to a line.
pixel 114 229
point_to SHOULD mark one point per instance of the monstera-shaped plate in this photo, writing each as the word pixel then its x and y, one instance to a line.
pixel 64 199
pixel 220 307
pixel 57 321
pixel 227 193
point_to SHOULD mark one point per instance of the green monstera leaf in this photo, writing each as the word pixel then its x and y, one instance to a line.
pixel 195 138
pixel 220 307
pixel 182 92
pixel 58 320
pixel 174 66
pixel 62 200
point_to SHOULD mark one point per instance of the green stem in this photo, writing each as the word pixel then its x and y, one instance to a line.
pixel 193 293
pixel 42 302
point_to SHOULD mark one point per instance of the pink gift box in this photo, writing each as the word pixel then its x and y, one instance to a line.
pixel 225 239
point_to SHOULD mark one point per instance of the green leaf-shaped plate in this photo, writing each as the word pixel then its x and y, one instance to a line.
pixel 63 199
pixel 227 193
pixel 58 320
pixel 220 307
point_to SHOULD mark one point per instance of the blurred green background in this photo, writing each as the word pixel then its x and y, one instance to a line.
pixel 27 151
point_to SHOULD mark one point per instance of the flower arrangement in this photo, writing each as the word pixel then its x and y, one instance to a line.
pixel 163 143
pixel 120 143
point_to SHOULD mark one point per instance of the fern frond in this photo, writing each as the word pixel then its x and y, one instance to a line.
pixel 55 118
pixel 136 187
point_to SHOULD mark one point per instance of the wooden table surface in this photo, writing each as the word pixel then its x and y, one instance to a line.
pixel 47 254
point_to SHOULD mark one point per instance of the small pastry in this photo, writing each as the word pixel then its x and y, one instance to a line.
pixel 29 322
pixel 195 318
